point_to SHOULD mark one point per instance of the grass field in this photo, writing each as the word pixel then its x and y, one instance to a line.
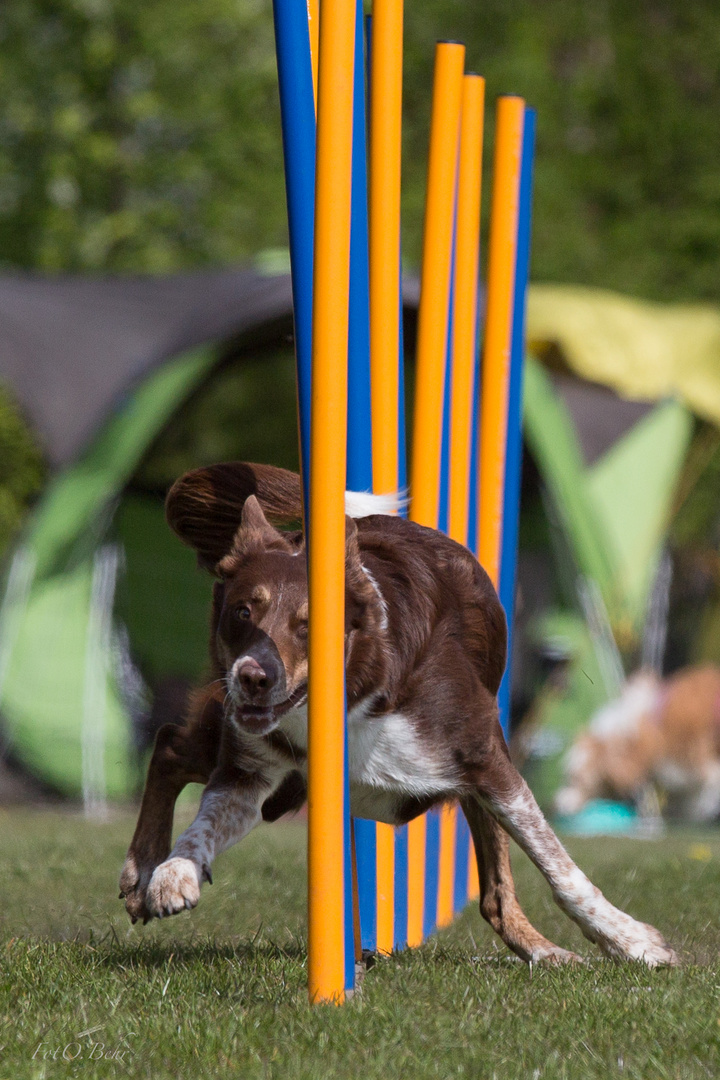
pixel 221 991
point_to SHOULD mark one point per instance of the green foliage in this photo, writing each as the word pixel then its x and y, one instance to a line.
pixel 145 136
pixel 137 136
pixel 696 516
pixel 627 191
pixel 22 469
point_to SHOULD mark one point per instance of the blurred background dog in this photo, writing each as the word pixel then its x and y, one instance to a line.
pixel 657 746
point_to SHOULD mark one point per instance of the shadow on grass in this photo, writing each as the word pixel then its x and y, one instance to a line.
pixel 151 955
pixel 94 951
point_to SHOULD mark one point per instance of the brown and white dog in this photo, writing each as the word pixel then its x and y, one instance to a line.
pixel 425 652
pixel 657 744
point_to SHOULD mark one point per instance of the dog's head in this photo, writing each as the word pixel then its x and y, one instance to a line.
pixel 261 618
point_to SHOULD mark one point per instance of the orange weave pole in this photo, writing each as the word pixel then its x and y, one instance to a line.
pixel 417 839
pixel 464 339
pixel 446 868
pixel 384 230
pixel 433 312
pixel 384 240
pixel 502 253
pixel 464 343
pixel 385 889
pixel 473 876
pixel 326 643
pixel 430 361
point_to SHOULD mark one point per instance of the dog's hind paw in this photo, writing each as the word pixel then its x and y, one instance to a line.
pixel 132 891
pixel 133 888
pixel 174 887
pixel 129 876
pixel 646 945
pixel 655 951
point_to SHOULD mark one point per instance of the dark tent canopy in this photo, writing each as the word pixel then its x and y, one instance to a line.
pixel 70 347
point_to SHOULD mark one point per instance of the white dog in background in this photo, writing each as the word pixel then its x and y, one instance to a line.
pixel 657 744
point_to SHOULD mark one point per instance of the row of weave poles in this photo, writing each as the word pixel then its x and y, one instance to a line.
pixel 372 887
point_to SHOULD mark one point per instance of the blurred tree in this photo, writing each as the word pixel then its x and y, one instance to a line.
pixel 627 188
pixel 22 469
pixel 137 136
pixel 142 136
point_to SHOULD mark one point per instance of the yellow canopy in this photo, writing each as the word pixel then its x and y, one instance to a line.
pixel 643 350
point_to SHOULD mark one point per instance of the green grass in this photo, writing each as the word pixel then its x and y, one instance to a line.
pixel 222 991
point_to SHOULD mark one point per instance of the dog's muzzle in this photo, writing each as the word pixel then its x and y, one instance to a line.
pixel 258 691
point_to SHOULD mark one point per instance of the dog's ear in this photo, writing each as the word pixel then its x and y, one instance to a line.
pixel 359 591
pixel 253 519
pixel 204 507
pixel 254 536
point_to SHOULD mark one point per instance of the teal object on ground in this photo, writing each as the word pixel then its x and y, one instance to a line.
pixel 600 817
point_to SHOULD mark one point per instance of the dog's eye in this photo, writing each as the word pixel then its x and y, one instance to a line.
pixel 302 630
pixel 242 612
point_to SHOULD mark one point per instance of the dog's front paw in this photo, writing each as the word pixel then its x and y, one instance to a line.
pixel 174 886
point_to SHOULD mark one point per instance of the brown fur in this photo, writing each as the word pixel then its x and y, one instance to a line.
pixel 203 507
pixel 425 653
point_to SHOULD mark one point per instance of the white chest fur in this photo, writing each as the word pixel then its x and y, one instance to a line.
pixel 388 760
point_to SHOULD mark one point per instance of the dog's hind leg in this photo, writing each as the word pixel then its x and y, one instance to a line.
pixel 501 789
pixel 498 903
pixel 183 754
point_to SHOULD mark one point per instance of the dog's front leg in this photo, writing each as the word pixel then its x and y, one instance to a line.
pixel 506 795
pixel 183 754
pixel 229 809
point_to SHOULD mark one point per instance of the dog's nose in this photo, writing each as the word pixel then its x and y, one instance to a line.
pixel 253 678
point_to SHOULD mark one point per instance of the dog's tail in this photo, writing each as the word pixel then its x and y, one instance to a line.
pixel 363 504
pixel 204 506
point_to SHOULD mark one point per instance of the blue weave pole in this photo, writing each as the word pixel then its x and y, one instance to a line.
pixel 513 459
pixel 365 831
pixel 444 499
pixel 359 428
pixel 464 850
pixel 402 438
pixel 432 870
pixel 359 432
pixel 474 496
pixel 297 116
